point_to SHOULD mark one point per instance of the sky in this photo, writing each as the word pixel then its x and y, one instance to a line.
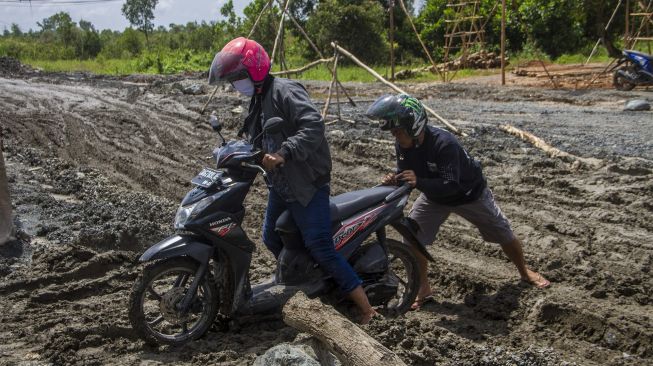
pixel 106 14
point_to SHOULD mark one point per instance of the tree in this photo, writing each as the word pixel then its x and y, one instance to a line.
pixel 356 25
pixel 15 30
pixel 89 44
pixel 140 14
pixel 556 26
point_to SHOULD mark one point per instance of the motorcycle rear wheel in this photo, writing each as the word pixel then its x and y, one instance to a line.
pixel 620 82
pixel 403 264
pixel 156 293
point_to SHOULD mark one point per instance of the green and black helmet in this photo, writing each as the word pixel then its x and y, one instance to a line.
pixel 399 111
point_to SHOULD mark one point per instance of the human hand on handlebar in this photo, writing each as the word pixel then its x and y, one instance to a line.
pixel 389 180
pixel 407 176
pixel 272 161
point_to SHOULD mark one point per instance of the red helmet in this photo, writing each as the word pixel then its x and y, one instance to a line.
pixel 238 59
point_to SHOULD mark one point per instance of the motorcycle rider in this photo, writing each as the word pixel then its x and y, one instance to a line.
pixel 450 181
pixel 297 160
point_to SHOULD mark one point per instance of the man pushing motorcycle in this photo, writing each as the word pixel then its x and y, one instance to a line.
pixel 433 161
pixel 297 160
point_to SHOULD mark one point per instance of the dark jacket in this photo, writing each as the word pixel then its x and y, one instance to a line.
pixel 302 143
pixel 445 173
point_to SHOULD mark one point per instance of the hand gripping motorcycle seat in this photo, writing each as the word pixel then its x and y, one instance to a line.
pixel 342 206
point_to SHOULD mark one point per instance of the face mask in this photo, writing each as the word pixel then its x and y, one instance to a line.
pixel 244 86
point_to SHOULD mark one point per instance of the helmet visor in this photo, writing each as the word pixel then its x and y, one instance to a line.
pixel 386 110
pixel 226 66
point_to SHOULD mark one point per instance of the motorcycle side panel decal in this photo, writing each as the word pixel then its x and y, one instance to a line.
pixel 352 227
pixel 224 229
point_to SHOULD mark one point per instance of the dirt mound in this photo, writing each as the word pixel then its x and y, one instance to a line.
pixel 11 66
pixel 97 166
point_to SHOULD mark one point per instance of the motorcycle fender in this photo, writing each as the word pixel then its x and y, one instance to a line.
pixel 177 246
pixel 406 227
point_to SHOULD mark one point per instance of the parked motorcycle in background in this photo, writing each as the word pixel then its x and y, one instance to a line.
pixel 633 69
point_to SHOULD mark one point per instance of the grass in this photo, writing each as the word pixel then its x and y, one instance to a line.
pixel 108 67
pixel 347 72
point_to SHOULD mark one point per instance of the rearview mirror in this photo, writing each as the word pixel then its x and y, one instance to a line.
pixel 214 122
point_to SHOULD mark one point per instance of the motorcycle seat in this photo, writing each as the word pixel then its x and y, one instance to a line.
pixel 641 54
pixel 342 206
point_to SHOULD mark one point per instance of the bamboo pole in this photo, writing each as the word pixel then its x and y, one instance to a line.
pixel 548 149
pixel 303 68
pixel 251 31
pixel 503 42
pixel 555 85
pixel 605 29
pixel 6 224
pixel 280 30
pixel 451 127
pixel 392 40
pixel 333 80
pixel 419 38
pixel 335 76
pixel 317 50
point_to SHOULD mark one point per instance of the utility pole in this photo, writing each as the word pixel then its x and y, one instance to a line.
pixel 503 42
pixel 6 224
pixel 392 41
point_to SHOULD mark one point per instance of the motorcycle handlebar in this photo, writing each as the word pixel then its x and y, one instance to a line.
pixel 398 192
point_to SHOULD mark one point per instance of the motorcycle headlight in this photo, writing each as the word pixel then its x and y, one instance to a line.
pixel 187 213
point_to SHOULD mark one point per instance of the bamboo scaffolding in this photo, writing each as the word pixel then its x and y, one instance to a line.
pixel 451 127
pixel 419 38
pixel 333 81
pixel 279 31
pixel 317 50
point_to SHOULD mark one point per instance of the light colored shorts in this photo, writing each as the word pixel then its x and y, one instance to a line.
pixel 483 213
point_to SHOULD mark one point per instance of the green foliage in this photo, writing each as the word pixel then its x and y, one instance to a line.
pixel 554 25
pixel 140 14
pixel 356 25
pixel 559 30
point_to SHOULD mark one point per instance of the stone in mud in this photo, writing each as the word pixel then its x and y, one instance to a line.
pixel 637 105
pixel 193 89
pixel 285 355
pixel 238 110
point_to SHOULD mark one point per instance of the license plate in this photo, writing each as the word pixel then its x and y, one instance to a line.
pixel 207 177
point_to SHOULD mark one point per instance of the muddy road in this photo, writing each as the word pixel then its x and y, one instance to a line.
pixel 97 166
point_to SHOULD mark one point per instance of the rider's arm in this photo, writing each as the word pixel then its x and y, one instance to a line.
pixel 298 108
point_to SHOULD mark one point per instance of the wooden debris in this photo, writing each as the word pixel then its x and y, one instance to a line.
pixel 349 343
pixel 548 149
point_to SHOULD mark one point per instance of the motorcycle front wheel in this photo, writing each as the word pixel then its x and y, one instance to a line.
pixel 403 265
pixel 154 300
pixel 622 83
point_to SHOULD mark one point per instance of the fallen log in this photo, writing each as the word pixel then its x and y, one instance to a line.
pixel 350 344
pixel 548 149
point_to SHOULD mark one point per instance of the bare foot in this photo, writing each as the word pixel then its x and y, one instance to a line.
pixel 536 280
pixel 422 299
pixel 365 318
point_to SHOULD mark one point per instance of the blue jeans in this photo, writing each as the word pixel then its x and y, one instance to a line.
pixel 314 223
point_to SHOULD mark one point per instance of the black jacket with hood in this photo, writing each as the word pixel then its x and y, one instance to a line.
pixel 302 141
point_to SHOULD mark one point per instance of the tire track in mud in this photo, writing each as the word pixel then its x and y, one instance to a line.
pixel 589 231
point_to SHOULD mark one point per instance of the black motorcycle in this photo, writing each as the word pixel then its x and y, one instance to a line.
pixel 203 269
